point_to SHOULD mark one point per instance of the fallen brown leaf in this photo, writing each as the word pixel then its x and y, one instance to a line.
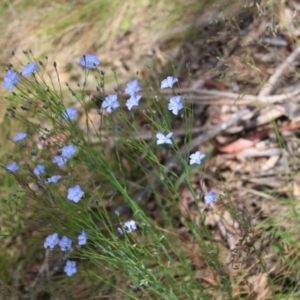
pixel 243 143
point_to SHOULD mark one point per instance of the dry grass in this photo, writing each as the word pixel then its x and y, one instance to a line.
pixel 126 36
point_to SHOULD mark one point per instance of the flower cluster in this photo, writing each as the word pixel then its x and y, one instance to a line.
pixel 76 193
pixel 67 152
pixel 175 104
pixel 128 227
pixel 65 244
pixel 132 89
pixel 11 78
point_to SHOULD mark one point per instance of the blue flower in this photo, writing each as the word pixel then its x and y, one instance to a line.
pixel 19 136
pixel 65 243
pixel 164 139
pixel 58 160
pixel 69 113
pixel 39 170
pixel 29 68
pixel 51 241
pixel 82 238
pixel 70 267
pixel 89 61
pixel 168 82
pixel 68 151
pixel 53 179
pixel 12 167
pixel 11 78
pixel 111 102
pixel 175 104
pixel 210 197
pixel 128 226
pixel 117 129
pixel 133 101
pixel 196 158
pixel 132 87
pixel 75 193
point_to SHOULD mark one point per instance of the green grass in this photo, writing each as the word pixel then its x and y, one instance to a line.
pixel 141 258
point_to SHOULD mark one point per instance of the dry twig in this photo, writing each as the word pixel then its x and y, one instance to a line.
pixel 271 83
